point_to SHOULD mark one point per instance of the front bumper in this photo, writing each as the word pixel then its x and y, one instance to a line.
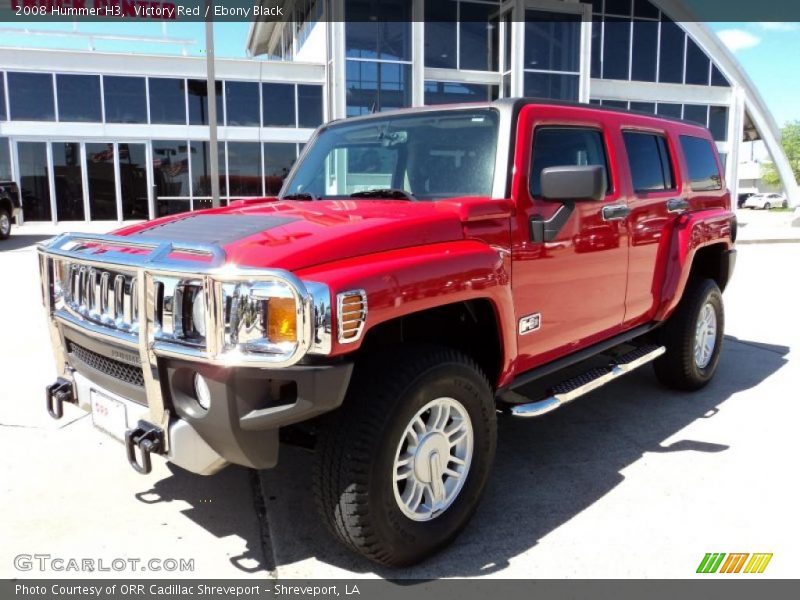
pixel 247 409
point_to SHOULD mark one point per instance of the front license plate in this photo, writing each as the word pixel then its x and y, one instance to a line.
pixel 109 415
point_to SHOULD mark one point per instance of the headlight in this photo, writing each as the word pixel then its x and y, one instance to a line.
pixel 199 312
pixel 263 317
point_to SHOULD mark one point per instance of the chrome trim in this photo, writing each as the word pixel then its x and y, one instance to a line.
pixel 541 407
pixel 143 325
pixel 340 320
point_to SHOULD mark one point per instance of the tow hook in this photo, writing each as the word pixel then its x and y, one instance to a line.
pixel 149 439
pixel 56 394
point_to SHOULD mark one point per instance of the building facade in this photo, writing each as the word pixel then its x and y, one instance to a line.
pixel 118 137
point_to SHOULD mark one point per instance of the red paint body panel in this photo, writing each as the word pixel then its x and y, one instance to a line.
pixel 597 278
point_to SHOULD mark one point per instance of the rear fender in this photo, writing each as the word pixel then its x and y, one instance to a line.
pixel 692 232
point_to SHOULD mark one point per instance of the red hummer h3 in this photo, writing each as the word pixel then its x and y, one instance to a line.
pixel 417 270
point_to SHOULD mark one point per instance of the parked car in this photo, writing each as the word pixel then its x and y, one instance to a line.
pixel 10 207
pixel 416 271
pixel 766 201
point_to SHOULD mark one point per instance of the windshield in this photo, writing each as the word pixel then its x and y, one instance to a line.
pixel 423 156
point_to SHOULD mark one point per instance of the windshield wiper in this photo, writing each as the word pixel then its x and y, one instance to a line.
pixel 299 196
pixel 393 193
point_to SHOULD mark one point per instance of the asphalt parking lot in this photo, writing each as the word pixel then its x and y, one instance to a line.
pixel 630 481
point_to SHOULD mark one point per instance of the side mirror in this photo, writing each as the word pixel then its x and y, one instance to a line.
pixel 584 182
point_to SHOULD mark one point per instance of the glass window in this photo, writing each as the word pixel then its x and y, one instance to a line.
pixel 3 115
pixel 102 181
pixel 201 169
pixel 645 9
pixel 34 183
pixel 198 101
pixel 373 86
pixel 432 155
pixel 649 161
pixel 125 99
pixel 551 85
pixel 445 92
pixel 560 147
pixel 703 170
pixel 616 48
pixel 171 168
pixel 645 50
pixel 133 180
pixel 667 109
pixel 696 113
pixel 597 48
pixel 717 78
pixel 616 104
pixel 278 161
pixel 618 7
pixel 479 45
pixel 67 181
pixel 79 98
pixel 670 68
pixel 30 97
pixel 244 168
pixel 645 107
pixel 697 64
pixel 552 41
pixel 279 108
pixel 378 29
pixel 718 122
pixel 167 101
pixel 5 160
pixel 440 34
pixel 309 105
pixel 242 104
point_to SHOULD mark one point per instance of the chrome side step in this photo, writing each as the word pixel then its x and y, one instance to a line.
pixel 568 390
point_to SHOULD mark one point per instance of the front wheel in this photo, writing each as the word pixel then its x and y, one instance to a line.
pixel 767 206
pixel 402 465
pixel 5 224
pixel 693 338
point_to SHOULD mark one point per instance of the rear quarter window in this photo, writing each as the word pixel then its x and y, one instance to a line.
pixel 704 173
pixel 648 158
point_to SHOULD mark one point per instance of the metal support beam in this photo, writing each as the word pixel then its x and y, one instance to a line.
pixel 211 84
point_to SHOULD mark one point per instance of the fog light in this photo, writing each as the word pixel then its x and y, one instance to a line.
pixel 201 391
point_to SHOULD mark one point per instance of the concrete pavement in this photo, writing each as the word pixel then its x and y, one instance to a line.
pixel 631 481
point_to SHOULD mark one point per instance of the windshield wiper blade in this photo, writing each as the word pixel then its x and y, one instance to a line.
pixel 299 196
pixel 393 193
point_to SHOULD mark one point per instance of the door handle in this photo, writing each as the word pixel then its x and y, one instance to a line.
pixel 677 205
pixel 615 212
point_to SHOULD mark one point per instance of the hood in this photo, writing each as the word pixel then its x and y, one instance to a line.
pixel 295 235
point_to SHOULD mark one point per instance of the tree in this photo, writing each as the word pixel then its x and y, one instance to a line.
pixel 790 140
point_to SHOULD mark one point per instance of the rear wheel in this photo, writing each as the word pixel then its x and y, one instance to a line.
pixel 693 338
pixel 5 224
pixel 402 465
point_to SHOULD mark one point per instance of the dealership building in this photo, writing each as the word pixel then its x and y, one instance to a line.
pixel 99 136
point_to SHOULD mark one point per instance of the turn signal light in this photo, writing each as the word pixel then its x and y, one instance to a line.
pixel 281 320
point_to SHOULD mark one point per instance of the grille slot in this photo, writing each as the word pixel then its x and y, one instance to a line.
pixel 113 368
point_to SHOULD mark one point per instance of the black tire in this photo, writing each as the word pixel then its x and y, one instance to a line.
pixel 767 206
pixel 4 214
pixel 353 475
pixel 677 367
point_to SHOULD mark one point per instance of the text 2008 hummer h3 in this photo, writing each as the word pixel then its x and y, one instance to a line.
pixel 418 269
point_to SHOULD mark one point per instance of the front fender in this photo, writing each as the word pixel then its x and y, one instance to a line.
pixel 692 232
pixel 410 280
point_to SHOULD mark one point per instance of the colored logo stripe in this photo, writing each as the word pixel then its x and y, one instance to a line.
pixel 711 562
pixel 758 563
pixel 733 564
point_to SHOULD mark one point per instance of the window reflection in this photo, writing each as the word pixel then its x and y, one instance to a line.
pixel 102 182
pixel 67 181
pixel 34 183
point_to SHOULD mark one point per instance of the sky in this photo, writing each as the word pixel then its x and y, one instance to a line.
pixel 767 51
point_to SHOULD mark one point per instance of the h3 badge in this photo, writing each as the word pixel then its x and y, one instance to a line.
pixel 530 323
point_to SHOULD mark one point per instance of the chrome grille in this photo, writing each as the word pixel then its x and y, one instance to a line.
pixel 106 297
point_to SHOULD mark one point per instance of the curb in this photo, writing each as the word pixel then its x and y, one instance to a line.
pixel 769 241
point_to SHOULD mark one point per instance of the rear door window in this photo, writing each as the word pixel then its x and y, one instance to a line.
pixel 703 170
pixel 565 147
pixel 649 162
